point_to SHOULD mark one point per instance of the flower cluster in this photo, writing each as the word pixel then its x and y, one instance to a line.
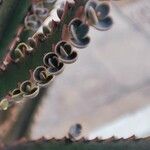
pixel 74 34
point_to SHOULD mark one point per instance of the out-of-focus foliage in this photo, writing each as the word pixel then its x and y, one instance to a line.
pixel 66 144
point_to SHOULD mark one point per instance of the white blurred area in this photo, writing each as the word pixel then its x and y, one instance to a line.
pixel 136 124
pixel 108 89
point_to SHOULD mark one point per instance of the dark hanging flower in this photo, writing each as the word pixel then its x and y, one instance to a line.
pixel 78 31
pixel 32 22
pixel 16 95
pixel 24 47
pixel 20 52
pixel 29 89
pixel 16 55
pixel 75 131
pixel 64 50
pixel 41 12
pixel 97 15
pixel 42 76
pixel 51 60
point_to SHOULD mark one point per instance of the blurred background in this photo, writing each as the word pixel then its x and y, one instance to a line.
pixel 107 90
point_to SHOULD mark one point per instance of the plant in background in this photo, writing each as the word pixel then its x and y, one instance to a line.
pixel 34 59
